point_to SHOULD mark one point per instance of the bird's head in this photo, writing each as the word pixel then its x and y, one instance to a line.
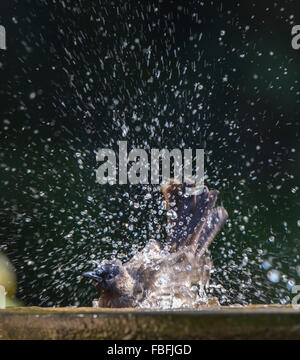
pixel 111 279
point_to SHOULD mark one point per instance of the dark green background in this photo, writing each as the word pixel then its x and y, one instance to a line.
pixel 81 75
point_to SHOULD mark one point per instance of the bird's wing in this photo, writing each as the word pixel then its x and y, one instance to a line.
pixel 213 224
pixel 188 215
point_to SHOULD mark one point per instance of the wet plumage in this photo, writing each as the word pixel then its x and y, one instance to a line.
pixel 170 276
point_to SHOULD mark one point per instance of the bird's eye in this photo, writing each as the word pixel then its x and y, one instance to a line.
pixel 100 272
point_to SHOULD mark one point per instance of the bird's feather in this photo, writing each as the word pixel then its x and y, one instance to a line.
pixel 213 224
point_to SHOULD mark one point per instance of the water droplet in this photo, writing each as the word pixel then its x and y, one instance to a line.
pixel 271 239
pixel 172 214
pixel 147 196
pixel 290 284
pixel 273 275
pixel 32 95
pixel 266 265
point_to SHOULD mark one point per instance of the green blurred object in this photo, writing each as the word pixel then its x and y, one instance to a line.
pixel 8 280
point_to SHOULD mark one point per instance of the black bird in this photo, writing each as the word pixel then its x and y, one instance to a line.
pixel 171 276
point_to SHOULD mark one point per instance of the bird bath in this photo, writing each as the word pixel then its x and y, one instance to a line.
pixel 235 322
pixel 187 77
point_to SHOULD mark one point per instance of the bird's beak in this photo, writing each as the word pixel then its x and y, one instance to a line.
pixel 92 275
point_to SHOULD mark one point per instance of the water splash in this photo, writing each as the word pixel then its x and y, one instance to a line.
pixel 106 73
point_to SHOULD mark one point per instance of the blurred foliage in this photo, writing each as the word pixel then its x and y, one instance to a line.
pixel 8 280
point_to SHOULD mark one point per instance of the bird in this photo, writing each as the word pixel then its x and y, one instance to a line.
pixel 173 275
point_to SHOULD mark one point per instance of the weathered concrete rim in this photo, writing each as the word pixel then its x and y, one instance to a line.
pixel 250 322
